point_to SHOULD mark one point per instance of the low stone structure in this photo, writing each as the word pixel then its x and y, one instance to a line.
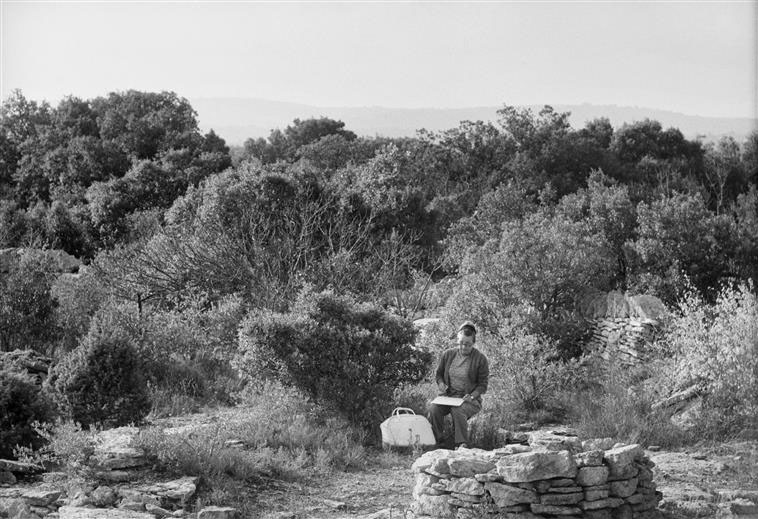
pixel 622 326
pixel 545 479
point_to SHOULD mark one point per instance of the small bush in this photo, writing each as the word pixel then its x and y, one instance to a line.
pixel 67 447
pixel 716 346
pixel 186 353
pixel 617 402
pixel 526 371
pixel 347 356
pixel 101 382
pixel 21 405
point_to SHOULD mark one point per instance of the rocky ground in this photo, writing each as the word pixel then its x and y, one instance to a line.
pixel 710 480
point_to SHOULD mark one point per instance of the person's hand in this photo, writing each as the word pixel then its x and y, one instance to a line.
pixel 442 388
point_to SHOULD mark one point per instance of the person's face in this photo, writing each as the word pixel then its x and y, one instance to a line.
pixel 466 338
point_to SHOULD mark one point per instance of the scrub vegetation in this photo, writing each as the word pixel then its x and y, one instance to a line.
pixel 281 278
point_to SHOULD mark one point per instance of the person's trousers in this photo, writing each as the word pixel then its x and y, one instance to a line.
pixel 460 415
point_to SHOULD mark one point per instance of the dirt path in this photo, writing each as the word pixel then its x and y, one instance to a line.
pixel 379 493
pixel 696 482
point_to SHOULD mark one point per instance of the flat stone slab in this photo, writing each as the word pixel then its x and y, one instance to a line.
pixel 75 512
pixel 534 466
pixel 40 497
pixel 114 449
pixel 19 467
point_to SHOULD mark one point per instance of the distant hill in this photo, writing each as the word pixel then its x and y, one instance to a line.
pixel 237 119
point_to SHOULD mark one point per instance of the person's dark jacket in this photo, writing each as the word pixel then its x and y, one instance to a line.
pixel 479 371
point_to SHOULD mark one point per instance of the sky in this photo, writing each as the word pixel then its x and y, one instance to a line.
pixel 697 58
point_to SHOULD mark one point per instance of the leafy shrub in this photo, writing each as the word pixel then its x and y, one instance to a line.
pixel 67 446
pixel 526 370
pixel 185 352
pixel 346 355
pixel 21 405
pixel 717 347
pixel 101 382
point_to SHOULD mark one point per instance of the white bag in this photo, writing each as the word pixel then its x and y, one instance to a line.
pixel 406 429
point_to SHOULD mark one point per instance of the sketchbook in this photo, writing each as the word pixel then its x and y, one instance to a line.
pixel 448 400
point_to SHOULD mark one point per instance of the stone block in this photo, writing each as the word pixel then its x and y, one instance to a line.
pixel 562 482
pixel 622 512
pixel 623 488
pixel 104 496
pixel 595 493
pixel 619 458
pixel 423 481
pixel 605 513
pixel 508 495
pixel 217 512
pixel 592 476
pixel 555 510
pixel 468 486
pixel 14 507
pixel 468 467
pixel 564 490
pixel 511 449
pixel 550 441
pixel 595 444
pixel 40 497
pixel 533 466
pixel 430 459
pixel 635 499
pixel 561 499
pixel 467 497
pixel 489 476
pixel 157 511
pixel 627 472
pixel 134 506
pixel 75 512
pixel 589 458
pixel 434 506
pixel 611 502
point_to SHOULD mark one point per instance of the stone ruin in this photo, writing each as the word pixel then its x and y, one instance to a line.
pixel 553 477
pixel 622 325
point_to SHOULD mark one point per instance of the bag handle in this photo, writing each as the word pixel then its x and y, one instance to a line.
pixel 403 410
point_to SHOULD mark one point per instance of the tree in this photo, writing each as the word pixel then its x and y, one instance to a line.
pixel 145 123
pixel 27 307
pixel 534 274
pixel 606 208
pixel 723 173
pixel 285 145
pixel 679 237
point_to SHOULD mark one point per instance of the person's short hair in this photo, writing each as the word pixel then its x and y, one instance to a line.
pixel 467 325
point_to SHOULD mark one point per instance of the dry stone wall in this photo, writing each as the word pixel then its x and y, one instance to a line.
pixel 622 325
pixel 535 482
pixel 622 340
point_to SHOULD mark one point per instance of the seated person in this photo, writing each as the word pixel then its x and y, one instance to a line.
pixel 462 372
